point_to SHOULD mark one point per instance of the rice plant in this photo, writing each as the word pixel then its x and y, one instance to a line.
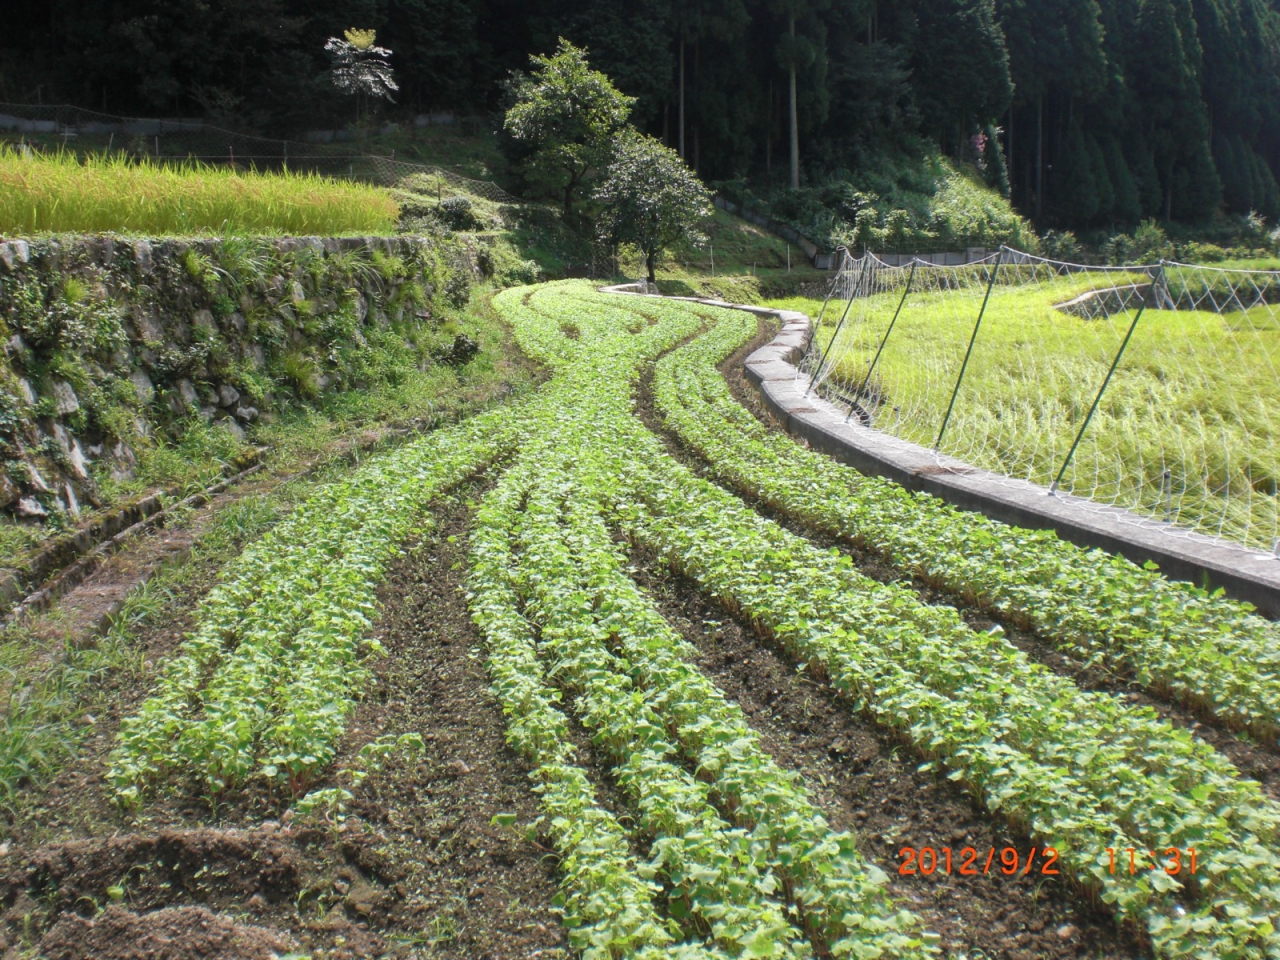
pixel 62 193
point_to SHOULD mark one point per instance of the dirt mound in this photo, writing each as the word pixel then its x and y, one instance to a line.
pixel 217 867
pixel 179 933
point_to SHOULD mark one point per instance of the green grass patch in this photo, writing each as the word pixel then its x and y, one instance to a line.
pixel 58 192
pixel 740 262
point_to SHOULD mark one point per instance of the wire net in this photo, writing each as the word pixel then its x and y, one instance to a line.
pixel 175 141
pixel 1151 388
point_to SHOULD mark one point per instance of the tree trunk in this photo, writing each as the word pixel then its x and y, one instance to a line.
pixel 795 120
pixel 1040 157
pixel 649 258
pixel 1008 160
pixel 681 96
pixel 697 103
pixel 768 137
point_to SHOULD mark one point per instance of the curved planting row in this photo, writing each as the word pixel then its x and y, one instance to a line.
pixel 1207 652
pixel 744 865
pixel 1078 771
pixel 263 685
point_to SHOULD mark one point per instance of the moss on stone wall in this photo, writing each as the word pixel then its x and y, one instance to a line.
pixel 117 351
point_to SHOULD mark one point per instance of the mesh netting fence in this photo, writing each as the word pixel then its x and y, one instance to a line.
pixel 1152 388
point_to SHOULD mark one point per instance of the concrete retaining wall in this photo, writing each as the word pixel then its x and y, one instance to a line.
pixel 1249 575
pixel 1244 574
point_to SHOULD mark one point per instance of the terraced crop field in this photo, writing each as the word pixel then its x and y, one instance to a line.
pixel 617 670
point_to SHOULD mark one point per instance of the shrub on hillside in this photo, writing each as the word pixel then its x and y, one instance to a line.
pixel 457 214
pixel 899 204
pixel 1061 246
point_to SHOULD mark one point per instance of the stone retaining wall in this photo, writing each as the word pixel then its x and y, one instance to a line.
pixel 110 342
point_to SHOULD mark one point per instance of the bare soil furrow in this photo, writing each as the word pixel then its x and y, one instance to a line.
pixel 870 784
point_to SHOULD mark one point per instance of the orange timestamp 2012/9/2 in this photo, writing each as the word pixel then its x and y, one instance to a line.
pixel 971 862
pixel 1043 861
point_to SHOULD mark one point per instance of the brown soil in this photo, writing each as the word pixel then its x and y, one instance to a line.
pixel 417 863
pixel 868 784
pixel 180 933
pixel 484 889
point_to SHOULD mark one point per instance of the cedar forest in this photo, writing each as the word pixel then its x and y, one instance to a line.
pixel 1091 113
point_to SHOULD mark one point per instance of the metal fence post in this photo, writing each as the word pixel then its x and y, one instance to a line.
pixel 1152 293
pixel 991 282
pixel 831 290
pixel 885 339
pixel 826 354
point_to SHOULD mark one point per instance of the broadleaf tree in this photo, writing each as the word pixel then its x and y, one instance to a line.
pixel 567 115
pixel 650 198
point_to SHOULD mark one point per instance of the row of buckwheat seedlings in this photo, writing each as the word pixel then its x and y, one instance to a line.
pixel 263 684
pixel 1078 771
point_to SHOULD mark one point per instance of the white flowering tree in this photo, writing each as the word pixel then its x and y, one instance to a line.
pixel 360 66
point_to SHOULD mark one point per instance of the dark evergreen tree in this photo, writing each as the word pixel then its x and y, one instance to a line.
pixel 961 68
pixel 1057 58
pixel 1165 69
pixel 1074 189
pixel 1238 175
pixel 1266 192
pixel 1106 193
pixel 1143 164
pixel 1127 208
pixel 1197 188
pixel 630 41
pixel 797 52
pixel 437 52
